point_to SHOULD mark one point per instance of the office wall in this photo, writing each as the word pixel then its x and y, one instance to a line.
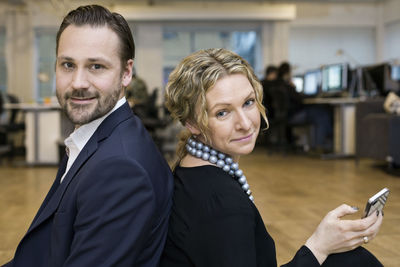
pixel 391 10
pixel 310 47
pixel 391 16
pixel 392 42
pixel 369 32
pixel 204 19
pixel 331 33
pixel 19 52
pixel 149 53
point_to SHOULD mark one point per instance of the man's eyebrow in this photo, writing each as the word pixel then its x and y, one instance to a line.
pixel 98 59
pixel 64 58
pixel 94 59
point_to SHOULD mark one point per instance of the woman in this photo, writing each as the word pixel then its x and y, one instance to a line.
pixel 214 222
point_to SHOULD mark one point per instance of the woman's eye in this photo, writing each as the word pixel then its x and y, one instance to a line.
pixel 249 102
pixel 221 113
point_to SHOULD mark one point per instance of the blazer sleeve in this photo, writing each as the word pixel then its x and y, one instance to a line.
pixel 115 209
pixel 8 264
pixel 303 257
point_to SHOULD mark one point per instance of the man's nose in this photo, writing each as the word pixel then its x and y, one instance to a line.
pixel 80 79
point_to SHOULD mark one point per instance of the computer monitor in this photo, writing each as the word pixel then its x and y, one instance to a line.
pixel 312 82
pixel 334 78
pixel 379 79
pixel 298 81
pixel 395 73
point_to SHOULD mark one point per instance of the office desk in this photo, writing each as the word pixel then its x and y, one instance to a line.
pixel 343 124
pixel 42 132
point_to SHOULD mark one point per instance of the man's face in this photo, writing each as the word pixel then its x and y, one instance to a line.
pixel 89 78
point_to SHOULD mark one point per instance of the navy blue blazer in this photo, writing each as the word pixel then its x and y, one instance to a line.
pixel 112 207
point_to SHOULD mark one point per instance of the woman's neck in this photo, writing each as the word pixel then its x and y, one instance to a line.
pixel 191 161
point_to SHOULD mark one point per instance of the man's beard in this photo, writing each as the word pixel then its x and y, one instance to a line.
pixel 83 114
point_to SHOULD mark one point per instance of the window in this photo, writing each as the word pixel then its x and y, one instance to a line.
pixel 179 43
pixel 45 40
pixel 3 66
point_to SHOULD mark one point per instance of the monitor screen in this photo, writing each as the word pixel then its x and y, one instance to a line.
pixel 395 73
pixel 379 78
pixel 334 78
pixel 298 82
pixel 311 82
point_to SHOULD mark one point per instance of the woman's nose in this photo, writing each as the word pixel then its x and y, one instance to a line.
pixel 243 121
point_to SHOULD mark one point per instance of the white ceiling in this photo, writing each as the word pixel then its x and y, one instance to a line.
pixel 154 2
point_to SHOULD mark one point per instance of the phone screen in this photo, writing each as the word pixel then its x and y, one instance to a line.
pixel 376 202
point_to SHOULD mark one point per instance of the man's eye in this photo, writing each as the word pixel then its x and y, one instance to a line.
pixel 68 65
pixel 96 67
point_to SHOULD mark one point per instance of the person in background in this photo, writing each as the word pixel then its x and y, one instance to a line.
pixel 214 221
pixel 269 81
pixel 285 79
pixel 319 116
pixel 136 92
pixel 111 199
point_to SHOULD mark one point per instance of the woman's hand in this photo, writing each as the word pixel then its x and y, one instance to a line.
pixel 334 235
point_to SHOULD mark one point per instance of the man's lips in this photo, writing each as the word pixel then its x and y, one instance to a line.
pixel 81 100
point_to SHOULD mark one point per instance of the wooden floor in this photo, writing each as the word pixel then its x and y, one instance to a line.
pixel 293 193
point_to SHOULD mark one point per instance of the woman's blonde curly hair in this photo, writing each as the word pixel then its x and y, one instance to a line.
pixel 185 94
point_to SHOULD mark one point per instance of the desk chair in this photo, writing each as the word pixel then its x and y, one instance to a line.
pixel 10 127
pixel 279 136
pixel 277 132
pixel 5 148
pixel 377 133
pixel 148 112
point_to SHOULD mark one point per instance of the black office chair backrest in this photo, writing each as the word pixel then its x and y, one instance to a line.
pixel 279 103
pixel 13 115
pixel 1 104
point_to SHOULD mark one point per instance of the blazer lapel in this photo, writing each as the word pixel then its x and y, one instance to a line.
pixel 54 187
pixel 54 202
pixel 102 132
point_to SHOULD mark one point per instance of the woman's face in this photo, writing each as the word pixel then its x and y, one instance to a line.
pixel 234 119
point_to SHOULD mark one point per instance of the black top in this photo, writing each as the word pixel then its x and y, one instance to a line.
pixel 214 223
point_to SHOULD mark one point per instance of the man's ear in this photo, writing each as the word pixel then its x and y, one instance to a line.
pixel 127 76
pixel 193 129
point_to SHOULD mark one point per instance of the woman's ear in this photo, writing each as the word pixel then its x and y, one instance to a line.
pixel 193 129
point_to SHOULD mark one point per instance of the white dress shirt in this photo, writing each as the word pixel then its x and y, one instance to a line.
pixel 80 136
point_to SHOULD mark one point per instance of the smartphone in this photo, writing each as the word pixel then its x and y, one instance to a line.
pixel 376 202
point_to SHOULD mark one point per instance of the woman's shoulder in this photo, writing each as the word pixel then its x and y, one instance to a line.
pixel 208 190
pixel 206 179
pixel 204 172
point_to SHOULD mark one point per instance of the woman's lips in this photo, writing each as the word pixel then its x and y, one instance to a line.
pixel 244 138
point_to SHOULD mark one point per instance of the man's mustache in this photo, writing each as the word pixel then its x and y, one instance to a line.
pixel 81 94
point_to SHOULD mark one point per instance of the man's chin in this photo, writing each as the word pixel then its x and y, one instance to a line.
pixel 80 116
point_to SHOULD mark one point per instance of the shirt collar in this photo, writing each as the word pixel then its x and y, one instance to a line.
pixel 79 137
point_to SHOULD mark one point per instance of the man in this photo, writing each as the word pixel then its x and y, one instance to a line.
pixel 110 202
